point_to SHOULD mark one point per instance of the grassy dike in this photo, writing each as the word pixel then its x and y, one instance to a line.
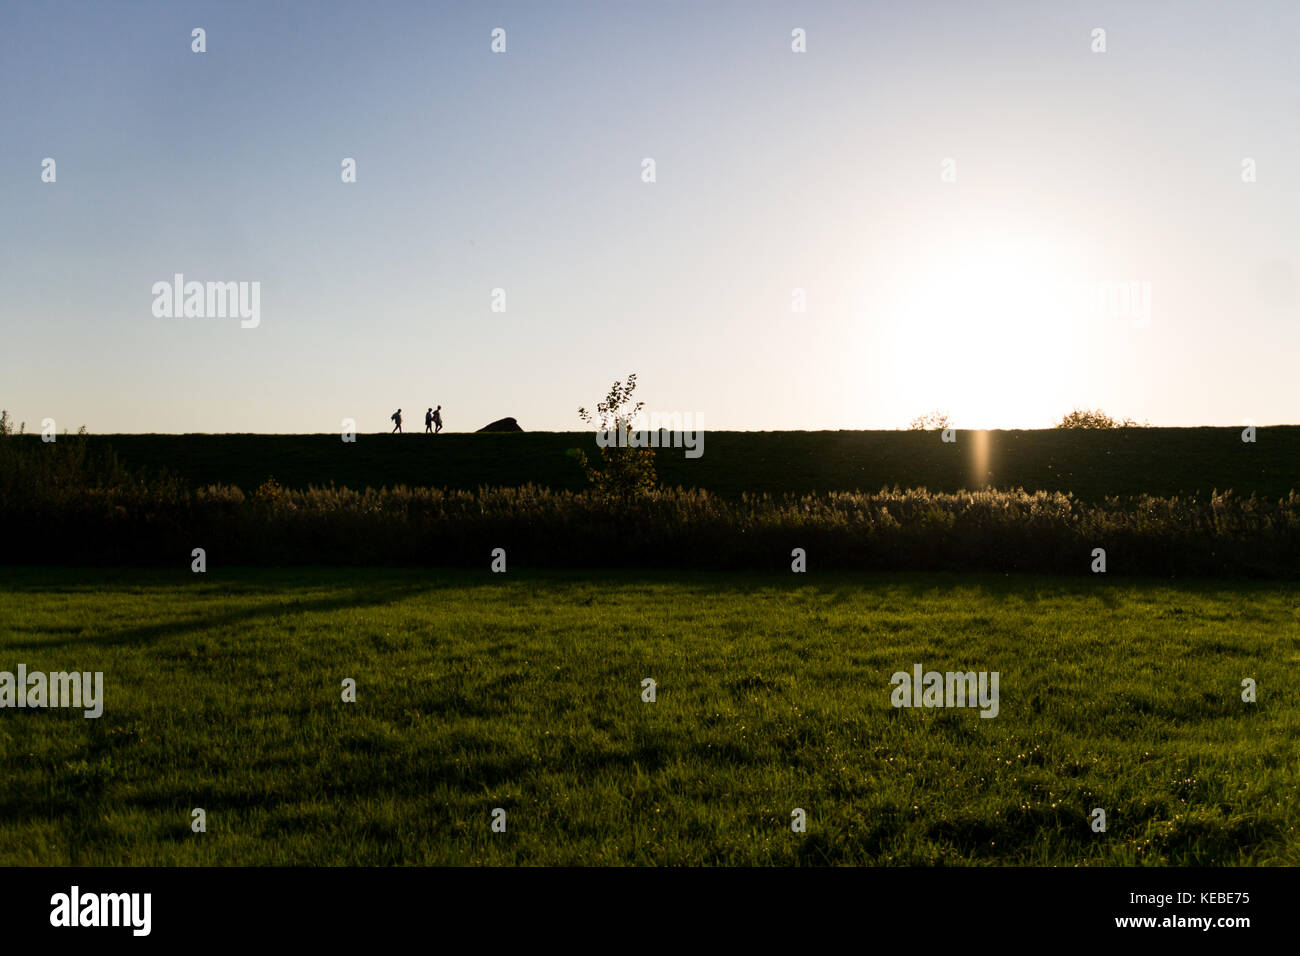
pixel 1162 462
pixel 523 691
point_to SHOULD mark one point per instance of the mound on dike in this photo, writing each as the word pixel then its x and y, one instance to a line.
pixel 502 425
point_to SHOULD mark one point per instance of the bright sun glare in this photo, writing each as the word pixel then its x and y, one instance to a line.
pixel 988 333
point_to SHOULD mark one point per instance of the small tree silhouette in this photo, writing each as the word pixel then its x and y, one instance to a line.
pixel 623 472
pixel 1094 418
pixel 931 420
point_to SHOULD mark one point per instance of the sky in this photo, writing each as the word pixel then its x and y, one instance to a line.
pixel 955 206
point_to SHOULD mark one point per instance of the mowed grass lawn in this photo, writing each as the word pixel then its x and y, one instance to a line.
pixel 523 691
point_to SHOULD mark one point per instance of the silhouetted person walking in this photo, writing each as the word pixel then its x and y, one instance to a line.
pixel 397 417
pixel 428 421
pixel 437 419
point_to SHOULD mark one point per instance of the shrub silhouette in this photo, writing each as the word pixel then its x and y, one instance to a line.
pixel 1094 418
pixel 931 421
pixel 623 472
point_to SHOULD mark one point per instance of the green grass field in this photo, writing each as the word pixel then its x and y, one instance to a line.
pixel 1092 464
pixel 522 691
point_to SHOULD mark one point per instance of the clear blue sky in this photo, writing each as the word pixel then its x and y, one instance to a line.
pixel 775 171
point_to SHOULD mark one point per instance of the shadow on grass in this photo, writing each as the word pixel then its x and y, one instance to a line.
pixel 373 587
pixel 152 633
